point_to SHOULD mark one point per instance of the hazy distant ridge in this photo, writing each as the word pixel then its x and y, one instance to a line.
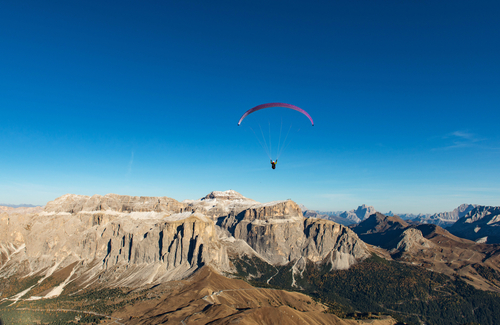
pixel 19 205
pixel 443 219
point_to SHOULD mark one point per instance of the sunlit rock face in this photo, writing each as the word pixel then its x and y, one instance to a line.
pixel 412 239
pixel 72 203
pixel 279 233
pixel 219 203
pixel 112 239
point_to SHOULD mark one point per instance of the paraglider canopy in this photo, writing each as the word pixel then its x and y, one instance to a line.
pixel 262 106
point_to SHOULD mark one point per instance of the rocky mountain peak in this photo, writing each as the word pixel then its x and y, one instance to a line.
pixel 219 203
pixel 224 195
pixel 443 219
pixel 360 213
pixel 411 239
pixel 380 230
pixel 364 211
pixel 465 208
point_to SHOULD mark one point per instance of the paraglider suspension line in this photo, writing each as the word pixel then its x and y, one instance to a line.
pixel 279 140
pixel 284 142
pixel 270 146
pixel 264 145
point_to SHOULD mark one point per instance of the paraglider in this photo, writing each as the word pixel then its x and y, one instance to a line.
pixel 264 143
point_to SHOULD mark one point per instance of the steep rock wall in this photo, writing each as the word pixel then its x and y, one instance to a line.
pixel 280 234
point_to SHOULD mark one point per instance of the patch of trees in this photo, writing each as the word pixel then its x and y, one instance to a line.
pixel 13 285
pixel 25 317
pixel 487 273
pixel 412 294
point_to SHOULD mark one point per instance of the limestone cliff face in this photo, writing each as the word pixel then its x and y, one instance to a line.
pixel 337 242
pixel 71 203
pixel 128 248
pixel 279 233
pixel 412 239
pixel 279 210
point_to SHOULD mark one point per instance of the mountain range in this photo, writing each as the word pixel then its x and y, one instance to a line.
pixel 152 260
pixel 18 205
pixel 443 219
pixel 86 244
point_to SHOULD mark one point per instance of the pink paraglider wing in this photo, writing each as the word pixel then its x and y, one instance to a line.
pixel 262 106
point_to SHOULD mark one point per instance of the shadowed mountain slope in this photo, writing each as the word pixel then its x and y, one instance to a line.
pixel 482 224
pixel 435 248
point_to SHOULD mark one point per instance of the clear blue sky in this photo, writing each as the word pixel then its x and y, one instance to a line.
pixel 143 98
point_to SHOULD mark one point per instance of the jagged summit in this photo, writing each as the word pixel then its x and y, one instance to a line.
pixel 359 214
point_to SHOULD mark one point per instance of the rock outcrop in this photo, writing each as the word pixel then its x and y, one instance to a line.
pixel 412 239
pixel 381 230
pixel 278 232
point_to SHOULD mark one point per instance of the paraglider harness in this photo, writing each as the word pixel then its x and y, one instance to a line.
pixel 273 163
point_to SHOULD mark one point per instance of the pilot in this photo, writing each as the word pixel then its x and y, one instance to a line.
pixel 273 163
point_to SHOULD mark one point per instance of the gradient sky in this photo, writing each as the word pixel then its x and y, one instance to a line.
pixel 143 98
